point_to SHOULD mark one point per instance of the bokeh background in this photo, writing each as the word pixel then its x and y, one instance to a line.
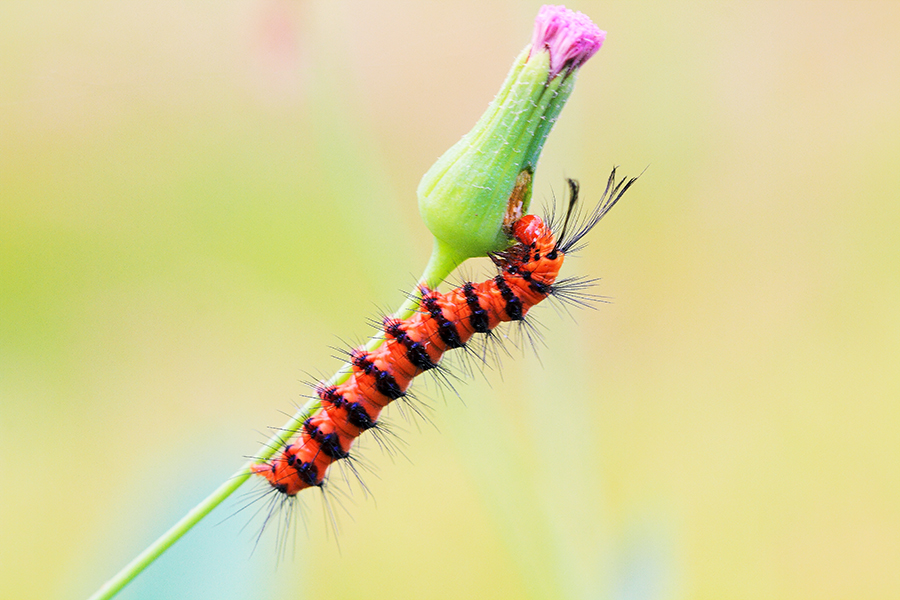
pixel 198 200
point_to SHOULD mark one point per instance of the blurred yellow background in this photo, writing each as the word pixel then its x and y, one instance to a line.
pixel 197 200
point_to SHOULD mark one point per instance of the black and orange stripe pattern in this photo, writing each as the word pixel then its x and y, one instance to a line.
pixel 528 273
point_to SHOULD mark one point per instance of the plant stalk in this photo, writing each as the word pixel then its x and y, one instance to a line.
pixel 443 261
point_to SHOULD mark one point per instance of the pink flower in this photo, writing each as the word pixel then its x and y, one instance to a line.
pixel 469 193
pixel 570 37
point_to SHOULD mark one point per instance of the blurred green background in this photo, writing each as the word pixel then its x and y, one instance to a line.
pixel 197 200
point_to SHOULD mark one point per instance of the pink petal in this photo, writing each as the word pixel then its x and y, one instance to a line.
pixel 570 37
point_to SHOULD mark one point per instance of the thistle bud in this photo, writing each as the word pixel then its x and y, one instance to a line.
pixel 484 181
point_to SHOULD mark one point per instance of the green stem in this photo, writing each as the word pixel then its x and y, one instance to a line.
pixel 443 261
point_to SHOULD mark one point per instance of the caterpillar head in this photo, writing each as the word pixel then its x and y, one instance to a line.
pixel 530 229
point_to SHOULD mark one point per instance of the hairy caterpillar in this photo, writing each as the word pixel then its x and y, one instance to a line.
pixel 528 273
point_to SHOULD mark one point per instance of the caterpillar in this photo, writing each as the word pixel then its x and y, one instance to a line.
pixel 527 274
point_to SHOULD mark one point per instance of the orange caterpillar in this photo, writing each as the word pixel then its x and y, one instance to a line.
pixel 528 275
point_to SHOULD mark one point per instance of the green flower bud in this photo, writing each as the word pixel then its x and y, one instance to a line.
pixel 470 196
